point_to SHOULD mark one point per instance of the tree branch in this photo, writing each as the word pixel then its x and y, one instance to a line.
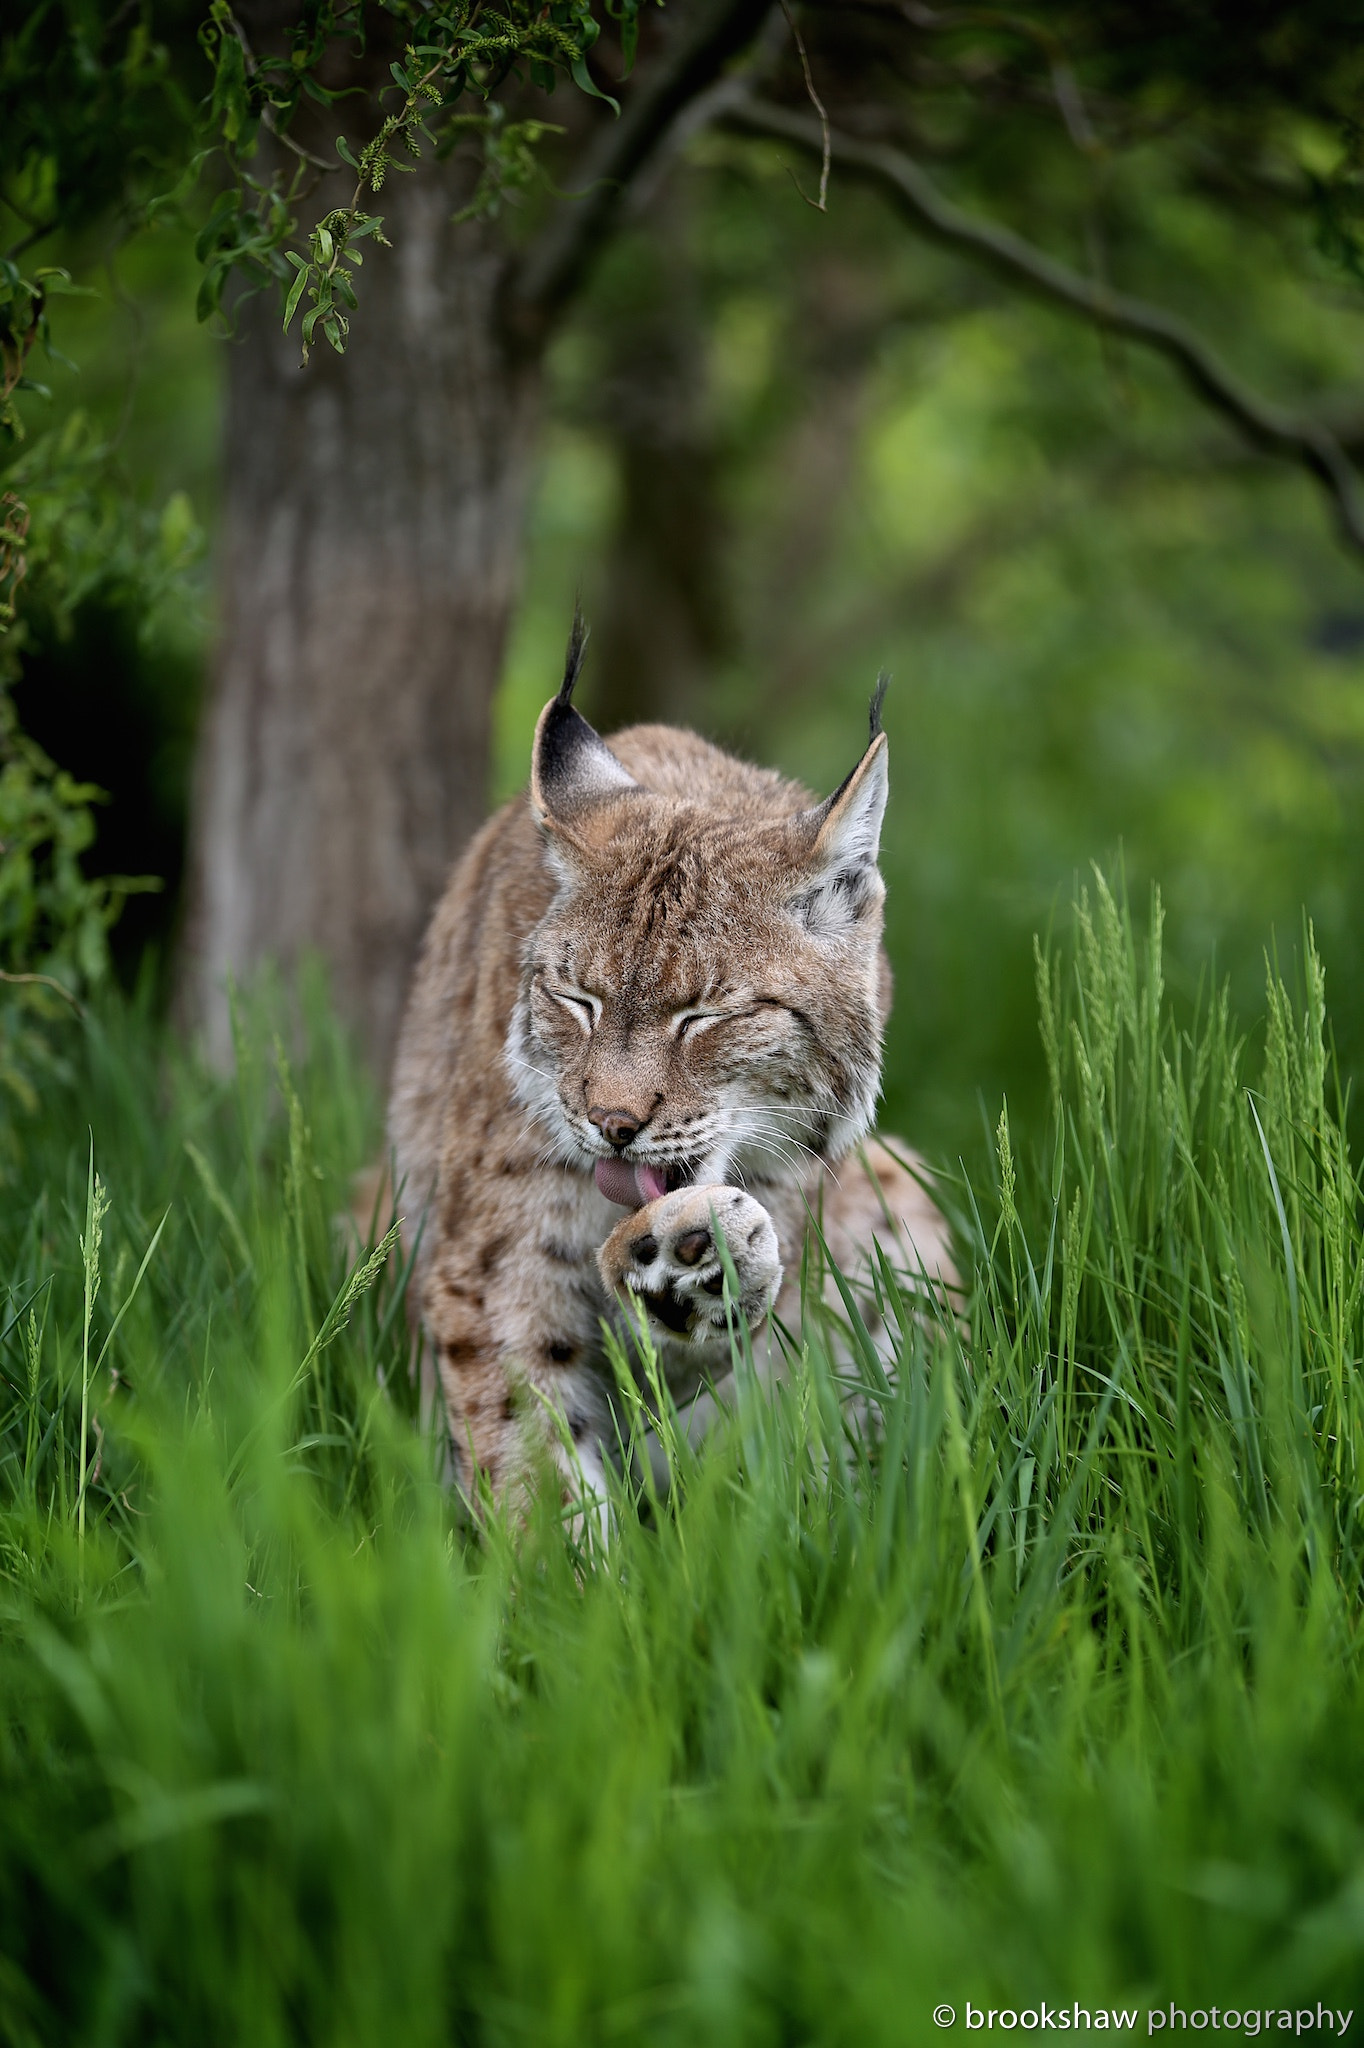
pixel 557 260
pixel 26 242
pixel 1266 426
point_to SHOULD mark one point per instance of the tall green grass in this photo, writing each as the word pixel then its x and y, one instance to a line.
pixel 1037 1681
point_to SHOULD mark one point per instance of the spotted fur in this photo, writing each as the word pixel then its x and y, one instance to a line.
pixel 661 935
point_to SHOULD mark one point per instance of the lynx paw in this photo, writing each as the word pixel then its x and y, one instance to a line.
pixel 665 1256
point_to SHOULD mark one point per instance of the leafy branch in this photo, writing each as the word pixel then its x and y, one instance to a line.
pixel 14 523
pixel 23 324
pixel 54 919
pixel 460 49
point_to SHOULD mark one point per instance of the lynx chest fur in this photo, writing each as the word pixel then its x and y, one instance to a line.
pixel 648 1007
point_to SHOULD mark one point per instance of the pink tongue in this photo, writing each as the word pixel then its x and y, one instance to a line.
pixel 630 1187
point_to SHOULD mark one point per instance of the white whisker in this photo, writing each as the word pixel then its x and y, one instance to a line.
pixel 773 1132
pixel 771 1151
pixel 517 1059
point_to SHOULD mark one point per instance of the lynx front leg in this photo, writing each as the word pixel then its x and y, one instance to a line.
pixel 665 1257
pixel 515 1365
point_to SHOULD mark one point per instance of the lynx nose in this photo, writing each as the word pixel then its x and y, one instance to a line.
pixel 617 1126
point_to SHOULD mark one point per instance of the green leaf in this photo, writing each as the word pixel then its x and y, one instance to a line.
pixel 296 291
pixel 177 528
pixel 210 293
pixel 230 105
pixel 582 78
pixel 56 283
pixel 131 1295
pixel 224 208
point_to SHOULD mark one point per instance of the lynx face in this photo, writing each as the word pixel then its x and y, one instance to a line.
pixel 699 1004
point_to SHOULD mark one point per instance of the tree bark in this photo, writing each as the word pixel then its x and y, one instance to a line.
pixel 371 539
pixel 665 620
pixel 372 535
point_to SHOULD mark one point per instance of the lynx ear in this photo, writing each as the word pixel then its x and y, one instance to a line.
pixel 843 838
pixel 572 768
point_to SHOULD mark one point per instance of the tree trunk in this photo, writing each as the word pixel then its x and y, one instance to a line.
pixel 371 541
pixel 665 621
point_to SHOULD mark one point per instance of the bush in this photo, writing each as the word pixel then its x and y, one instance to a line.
pixel 54 921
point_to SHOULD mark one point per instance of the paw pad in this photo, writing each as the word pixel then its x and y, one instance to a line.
pixel 672 1267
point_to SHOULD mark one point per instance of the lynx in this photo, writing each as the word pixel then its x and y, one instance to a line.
pixel 648 1008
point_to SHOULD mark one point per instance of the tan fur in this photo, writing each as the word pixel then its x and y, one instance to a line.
pixel 580 935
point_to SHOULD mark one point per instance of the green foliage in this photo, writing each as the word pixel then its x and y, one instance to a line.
pixel 511 166
pixel 93 121
pixel 69 531
pixel 1338 203
pixel 458 50
pixel 23 322
pixel 1041 1682
pixel 54 921
pixel 86 538
pixel 91 125
pixel 92 128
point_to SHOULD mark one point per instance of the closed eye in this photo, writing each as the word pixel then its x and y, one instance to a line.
pixel 687 1023
pixel 585 1009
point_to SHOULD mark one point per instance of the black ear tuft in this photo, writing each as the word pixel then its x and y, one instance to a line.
pixel 573 659
pixel 878 698
pixel 571 766
pixel 837 865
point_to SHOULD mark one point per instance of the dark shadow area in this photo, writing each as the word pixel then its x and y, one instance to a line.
pixel 117 711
